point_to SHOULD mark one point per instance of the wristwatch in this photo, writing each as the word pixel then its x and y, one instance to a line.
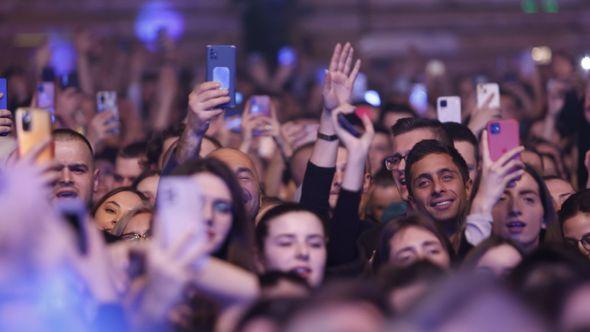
pixel 328 138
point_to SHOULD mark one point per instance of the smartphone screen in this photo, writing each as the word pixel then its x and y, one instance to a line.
pixel 221 68
pixel 484 91
pixel 448 109
pixel 73 212
pixel 503 136
pixel 260 106
pixel 46 96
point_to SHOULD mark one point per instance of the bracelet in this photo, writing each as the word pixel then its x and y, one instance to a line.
pixel 329 138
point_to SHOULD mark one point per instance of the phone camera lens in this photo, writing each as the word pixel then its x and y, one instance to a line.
pixel 27 121
pixel 443 103
pixel 495 128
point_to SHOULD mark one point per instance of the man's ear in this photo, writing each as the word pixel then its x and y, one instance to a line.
pixel 468 187
pixel 259 262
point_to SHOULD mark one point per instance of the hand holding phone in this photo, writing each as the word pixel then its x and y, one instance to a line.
pixel 355 141
pixel 205 104
pixel 258 107
pixel 5 115
pixel 488 94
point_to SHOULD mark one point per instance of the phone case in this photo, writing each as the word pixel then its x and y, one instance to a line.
pixel 483 93
pixel 344 123
pixel 221 67
pixel 179 210
pixel 33 126
pixel 46 96
pixel 448 109
pixel 503 136
pixel 363 111
pixel 3 94
pixel 106 100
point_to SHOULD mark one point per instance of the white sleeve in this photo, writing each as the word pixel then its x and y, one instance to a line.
pixel 478 227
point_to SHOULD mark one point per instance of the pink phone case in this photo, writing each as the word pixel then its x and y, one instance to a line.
pixel 503 136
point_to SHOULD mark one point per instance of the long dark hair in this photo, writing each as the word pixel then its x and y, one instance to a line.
pixel 396 225
pixel 237 247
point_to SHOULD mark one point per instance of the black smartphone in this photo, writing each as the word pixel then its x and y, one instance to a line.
pixel 221 67
pixel 73 212
pixel 348 126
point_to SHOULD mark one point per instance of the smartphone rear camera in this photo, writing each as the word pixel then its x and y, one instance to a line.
pixel 495 128
pixel 27 121
pixel 443 103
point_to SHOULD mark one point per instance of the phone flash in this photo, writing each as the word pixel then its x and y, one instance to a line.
pixel 541 55
pixel 585 63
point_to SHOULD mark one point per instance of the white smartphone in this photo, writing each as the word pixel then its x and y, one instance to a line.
pixel 178 210
pixel 448 109
pixel 484 91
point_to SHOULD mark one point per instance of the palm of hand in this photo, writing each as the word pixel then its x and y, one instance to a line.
pixel 339 92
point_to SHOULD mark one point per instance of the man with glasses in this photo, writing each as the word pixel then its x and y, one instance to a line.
pixel 574 217
pixel 406 133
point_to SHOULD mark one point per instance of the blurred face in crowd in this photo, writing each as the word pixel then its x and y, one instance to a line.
pixel 296 242
pixel 298 164
pixel 127 170
pixel 338 176
pixel 533 159
pixel 467 151
pixel 137 227
pixel 402 144
pixel 518 214
pixel 245 172
pixel 114 208
pixel 75 165
pixel 562 67
pixel 378 150
pixel 339 316
pixel 560 191
pixel 575 314
pixel 499 260
pixel 576 232
pixel 217 209
pixel 438 189
pixel 149 187
pixel 413 244
pixel 382 197
pixel 105 180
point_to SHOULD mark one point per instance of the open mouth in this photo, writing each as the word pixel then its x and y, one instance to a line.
pixel 442 205
pixel 302 271
pixel 515 227
pixel 66 194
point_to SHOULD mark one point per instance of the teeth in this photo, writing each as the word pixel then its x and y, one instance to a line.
pixel 301 270
pixel 445 203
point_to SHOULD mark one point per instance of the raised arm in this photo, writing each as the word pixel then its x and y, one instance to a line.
pixel 204 102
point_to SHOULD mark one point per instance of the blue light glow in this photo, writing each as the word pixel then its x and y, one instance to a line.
pixel 155 16
pixel 63 54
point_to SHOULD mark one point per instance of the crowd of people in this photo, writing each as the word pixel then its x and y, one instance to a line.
pixel 298 225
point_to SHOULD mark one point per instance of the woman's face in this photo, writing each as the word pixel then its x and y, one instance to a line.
pixel 114 208
pixel 576 228
pixel 413 244
pixel 296 243
pixel 499 260
pixel 149 187
pixel 518 214
pixel 137 227
pixel 217 208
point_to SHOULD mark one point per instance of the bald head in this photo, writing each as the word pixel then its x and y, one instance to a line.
pixel 245 171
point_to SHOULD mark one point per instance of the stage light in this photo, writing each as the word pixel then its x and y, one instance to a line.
pixel 585 63
pixel 372 97
pixel 63 54
pixel 541 55
pixel 156 16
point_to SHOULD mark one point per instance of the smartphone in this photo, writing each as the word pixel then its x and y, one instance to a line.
pixel 348 126
pixel 448 109
pixel 178 210
pixel 419 98
pixel 234 123
pixel 361 111
pixel 46 91
pixel 107 101
pixel 221 67
pixel 3 94
pixel 260 106
pixel 503 136
pixel 73 212
pixel 33 126
pixel 484 91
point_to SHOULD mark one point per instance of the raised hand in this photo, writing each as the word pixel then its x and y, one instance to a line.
pixel 356 146
pixel 495 176
pixel 340 77
pixel 204 104
pixel 6 123
pixel 482 116
pixel 103 126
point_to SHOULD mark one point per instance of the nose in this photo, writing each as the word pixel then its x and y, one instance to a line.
pixel 302 252
pixel 401 167
pixel 207 212
pixel 66 175
pixel 515 207
pixel 438 186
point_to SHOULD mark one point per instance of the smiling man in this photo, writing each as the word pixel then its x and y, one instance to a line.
pixel 75 164
pixel 438 183
pixel 406 133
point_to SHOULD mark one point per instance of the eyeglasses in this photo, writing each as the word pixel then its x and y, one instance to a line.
pixel 134 236
pixel 584 241
pixel 392 162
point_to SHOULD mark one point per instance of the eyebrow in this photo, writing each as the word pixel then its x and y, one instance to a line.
pixel 113 202
pixel 446 170
pixel 244 169
pixel 528 191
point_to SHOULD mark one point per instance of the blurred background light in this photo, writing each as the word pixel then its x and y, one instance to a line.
pixel 372 97
pixel 157 16
pixel 541 55
pixel 63 54
pixel 585 62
